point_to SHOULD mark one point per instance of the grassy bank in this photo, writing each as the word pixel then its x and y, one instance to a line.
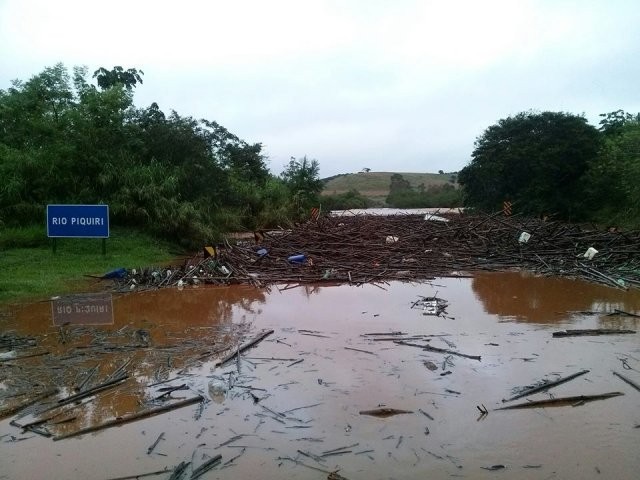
pixel 29 270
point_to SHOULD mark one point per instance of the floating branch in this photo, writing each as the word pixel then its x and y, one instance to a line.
pixel 563 401
pixel 630 382
pixel 546 386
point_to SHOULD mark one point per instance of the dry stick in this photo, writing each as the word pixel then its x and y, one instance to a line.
pixel 562 400
pixel 257 339
pixel 131 418
pixel 150 449
pixel 358 350
pixel 10 411
pixel 438 350
pixel 630 382
pixel 546 386
pixel 141 475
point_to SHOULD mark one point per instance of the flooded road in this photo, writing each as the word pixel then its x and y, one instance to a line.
pixel 290 407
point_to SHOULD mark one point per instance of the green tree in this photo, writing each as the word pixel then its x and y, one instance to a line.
pixel 118 76
pixel 611 187
pixel 301 177
pixel 534 159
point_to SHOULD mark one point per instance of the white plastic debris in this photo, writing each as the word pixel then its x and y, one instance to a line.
pixel 590 253
pixel 180 284
pixel 524 237
pixel 435 218
pixel 391 239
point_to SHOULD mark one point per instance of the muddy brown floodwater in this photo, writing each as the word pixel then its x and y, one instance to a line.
pixel 290 407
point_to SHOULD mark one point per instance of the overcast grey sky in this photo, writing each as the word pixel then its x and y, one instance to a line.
pixel 389 85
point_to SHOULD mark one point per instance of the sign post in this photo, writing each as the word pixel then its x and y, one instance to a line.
pixel 78 221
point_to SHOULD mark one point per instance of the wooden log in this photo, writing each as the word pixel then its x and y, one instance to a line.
pixel 591 331
pixel 546 386
pixel 131 418
pixel 630 382
pixel 562 401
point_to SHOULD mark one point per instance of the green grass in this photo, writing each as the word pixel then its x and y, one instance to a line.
pixel 375 185
pixel 32 271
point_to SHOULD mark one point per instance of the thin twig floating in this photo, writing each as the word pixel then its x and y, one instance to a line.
pixel 141 475
pixel 152 447
pixel 563 401
pixel 546 386
pixel 630 382
pixel 438 350
pixel 359 350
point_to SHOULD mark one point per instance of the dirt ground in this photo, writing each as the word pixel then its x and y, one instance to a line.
pixel 292 405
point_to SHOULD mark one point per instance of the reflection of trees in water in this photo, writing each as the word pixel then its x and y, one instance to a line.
pixel 184 328
pixel 183 308
pixel 531 298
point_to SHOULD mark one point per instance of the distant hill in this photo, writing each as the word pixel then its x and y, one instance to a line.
pixel 375 185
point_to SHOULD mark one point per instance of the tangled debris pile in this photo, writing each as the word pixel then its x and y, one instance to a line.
pixel 368 249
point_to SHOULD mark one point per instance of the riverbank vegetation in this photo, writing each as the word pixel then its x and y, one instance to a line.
pixel 65 140
pixel 556 164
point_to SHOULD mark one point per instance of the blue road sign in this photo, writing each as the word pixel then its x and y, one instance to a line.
pixel 80 221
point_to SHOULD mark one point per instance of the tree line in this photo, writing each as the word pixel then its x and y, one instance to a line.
pixel 65 140
pixel 556 163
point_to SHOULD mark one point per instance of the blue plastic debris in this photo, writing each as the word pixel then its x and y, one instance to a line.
pixel 117 273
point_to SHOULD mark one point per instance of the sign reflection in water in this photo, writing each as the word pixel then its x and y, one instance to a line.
pixel 83 309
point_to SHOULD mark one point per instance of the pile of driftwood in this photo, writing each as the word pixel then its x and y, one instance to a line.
pixel 363 249
pixel 368 249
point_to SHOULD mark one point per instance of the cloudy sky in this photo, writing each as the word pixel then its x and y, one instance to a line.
pixel 390 85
